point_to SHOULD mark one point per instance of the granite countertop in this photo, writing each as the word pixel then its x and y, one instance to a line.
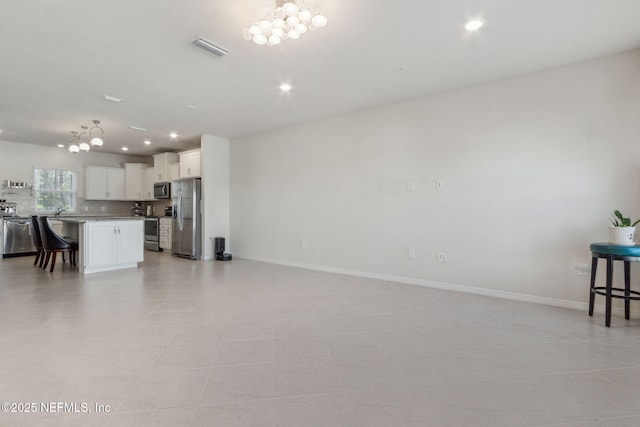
pixel 80 219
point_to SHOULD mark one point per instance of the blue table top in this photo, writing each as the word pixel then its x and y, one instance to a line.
pixel 619 250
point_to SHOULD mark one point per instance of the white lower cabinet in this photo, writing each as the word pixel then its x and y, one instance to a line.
pixel 110 245
pixel 164 230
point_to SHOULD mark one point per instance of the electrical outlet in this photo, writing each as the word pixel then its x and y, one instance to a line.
pixel 582 269
pixel 439 184
pixel 411 185
pixel 443 257
pixel 303 244
pixel 411 254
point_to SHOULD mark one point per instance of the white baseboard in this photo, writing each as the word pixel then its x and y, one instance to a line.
pixel 556 302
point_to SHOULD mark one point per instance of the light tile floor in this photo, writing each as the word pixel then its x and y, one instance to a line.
pixel 178 342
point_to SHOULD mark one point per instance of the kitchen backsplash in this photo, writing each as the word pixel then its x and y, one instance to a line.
pixel 26 206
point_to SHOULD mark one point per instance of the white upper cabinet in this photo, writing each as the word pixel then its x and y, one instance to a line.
pixel 134 180
pixel 104 183
pixel 190 164
pixel 174 171
pixel 149 175
pixel 161 164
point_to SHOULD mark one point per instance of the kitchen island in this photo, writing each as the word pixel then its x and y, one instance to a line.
pixel 105 243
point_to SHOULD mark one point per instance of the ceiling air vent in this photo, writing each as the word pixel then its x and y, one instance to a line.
pixel 210 47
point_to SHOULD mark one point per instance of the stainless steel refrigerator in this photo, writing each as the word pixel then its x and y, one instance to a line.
pixel 186 238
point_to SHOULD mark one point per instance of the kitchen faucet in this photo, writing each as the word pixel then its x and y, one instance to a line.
pixel 59 211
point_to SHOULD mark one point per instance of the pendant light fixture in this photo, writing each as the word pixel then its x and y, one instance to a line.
pixel 84 140
pixel 73 144
pixel 96 140
pixel 289 20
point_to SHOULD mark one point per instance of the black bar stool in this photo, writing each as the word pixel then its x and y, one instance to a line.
pixel 37 240
pixel 610 253
pixel 54 243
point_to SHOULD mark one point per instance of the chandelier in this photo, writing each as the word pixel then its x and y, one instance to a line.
pixel 289 20
pixel 83 141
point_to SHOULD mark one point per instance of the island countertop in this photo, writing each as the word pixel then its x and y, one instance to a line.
pixel 83 219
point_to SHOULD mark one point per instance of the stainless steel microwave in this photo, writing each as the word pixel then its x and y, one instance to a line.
pixel 162 190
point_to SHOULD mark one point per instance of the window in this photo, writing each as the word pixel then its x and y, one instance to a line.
pixel 55 190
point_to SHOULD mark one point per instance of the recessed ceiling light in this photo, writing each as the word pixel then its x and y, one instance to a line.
pixel 60 145
pixel 137 128
pixel 173 135
pixel 473 25
pixel 285 87
pixel 147 142
pixel 125 148
pixel 112 98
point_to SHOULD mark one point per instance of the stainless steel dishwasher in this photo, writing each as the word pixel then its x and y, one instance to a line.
pixel 17 239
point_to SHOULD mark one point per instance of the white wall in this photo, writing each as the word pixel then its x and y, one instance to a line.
pixel 532 168
pixel 215 192
pixel 18 161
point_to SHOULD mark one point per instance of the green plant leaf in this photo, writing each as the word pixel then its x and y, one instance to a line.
pixel 620 221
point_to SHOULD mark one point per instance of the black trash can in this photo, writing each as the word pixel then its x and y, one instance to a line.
pixel 218 249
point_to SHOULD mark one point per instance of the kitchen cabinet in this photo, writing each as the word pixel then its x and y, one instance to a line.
pixel 164 230
pixel 104 183
pixel 111 244
pixel 174 171
pixel 148 181
pixel 134 180
pixel 190 164
pixel 161 164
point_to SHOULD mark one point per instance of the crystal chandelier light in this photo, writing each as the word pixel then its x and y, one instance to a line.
pixel 289 20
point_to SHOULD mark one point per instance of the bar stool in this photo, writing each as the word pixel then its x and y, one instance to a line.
pixel 626 254
pixel 37 240
pixel 54 243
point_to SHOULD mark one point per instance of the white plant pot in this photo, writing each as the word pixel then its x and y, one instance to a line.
pixel 622 236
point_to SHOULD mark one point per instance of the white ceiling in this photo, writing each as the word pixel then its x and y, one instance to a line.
pixel 58 59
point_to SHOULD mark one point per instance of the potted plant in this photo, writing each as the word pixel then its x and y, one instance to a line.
pixel 621 233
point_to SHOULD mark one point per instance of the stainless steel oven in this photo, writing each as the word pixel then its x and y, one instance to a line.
pixel 152 234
